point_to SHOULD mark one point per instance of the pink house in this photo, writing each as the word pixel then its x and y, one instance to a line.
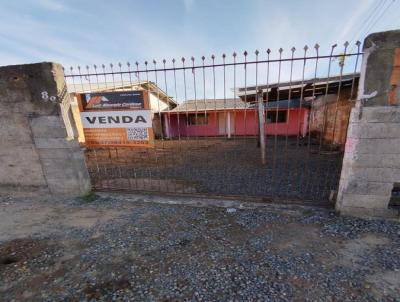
pixel 233 117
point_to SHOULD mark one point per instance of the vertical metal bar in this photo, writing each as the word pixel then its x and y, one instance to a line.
pixel 176 98
pixel 88 78
pixel 187 122
pixel 104 74
pixel 346 44
pixel 261 123
pixel 226 127
pixel 277 180
pixel 320 187
pixel 245 93
pixel 169 151
pixel 185 100
pixel 161 129
pixel 287 162
pixel 311 158
pixel 177 115
pixel 112 76
pixel 313 97
pixel 234 96
pixel 152 113
pixel 304 159
pixel 326 94
pixel 195 97
pixel 266 116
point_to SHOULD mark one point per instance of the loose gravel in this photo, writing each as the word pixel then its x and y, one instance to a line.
pixel 161 252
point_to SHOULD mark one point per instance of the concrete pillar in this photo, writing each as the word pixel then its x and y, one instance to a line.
pixel 371 164
pixel 39 152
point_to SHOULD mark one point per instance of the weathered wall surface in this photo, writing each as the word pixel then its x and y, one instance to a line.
pixel 38 150
pixel 330 116
pixel 371 163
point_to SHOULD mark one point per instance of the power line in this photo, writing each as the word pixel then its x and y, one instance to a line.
pixel 374 11
pixel 380 16
pixel 374 20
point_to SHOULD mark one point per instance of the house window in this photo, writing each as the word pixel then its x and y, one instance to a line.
pixel 277 116
pixel 199 119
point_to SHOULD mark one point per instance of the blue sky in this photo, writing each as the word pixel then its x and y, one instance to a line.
pixel 94 32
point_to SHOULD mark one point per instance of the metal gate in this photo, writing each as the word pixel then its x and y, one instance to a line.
pixel 267 125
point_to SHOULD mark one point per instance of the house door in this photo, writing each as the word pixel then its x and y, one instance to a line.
pixel 226 123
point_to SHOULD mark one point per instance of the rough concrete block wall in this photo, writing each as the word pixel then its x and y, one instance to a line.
pixel 39 153
pixel 371 164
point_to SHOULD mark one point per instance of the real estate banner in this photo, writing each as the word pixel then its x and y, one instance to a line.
pixel 105 125
pixel 113 100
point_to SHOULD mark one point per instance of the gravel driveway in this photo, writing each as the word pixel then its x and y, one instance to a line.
pixel 127 248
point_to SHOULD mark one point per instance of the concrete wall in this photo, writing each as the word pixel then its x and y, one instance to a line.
pixel 39 153
pixel 371 164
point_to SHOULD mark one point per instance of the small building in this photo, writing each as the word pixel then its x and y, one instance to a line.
pixel 228 117
pixel 319 107
pixel 159 101
pixel 329 101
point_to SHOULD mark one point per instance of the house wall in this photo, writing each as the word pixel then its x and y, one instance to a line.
pixel 156 104
pixel 330 117
pixel 245 123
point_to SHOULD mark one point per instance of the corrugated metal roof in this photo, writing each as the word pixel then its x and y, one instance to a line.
pixel 300 88
pixel 210 104
pixel 231 104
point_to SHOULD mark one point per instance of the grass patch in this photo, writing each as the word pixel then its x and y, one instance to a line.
pixel 89 197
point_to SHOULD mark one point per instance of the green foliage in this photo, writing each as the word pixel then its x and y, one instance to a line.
pixel 89 197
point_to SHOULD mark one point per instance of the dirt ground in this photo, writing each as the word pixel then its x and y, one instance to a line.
pixel 146 248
